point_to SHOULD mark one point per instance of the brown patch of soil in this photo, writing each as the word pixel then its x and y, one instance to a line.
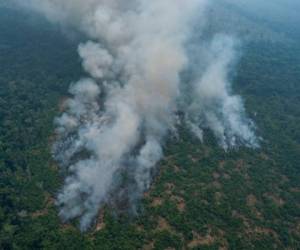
pixel 100 222
pixel 199 240
pixel 62 104
pixel 39 213
pixel 149 246
pixel 240 166
pixel 251 200
pixel 169 188
pixel 163 224
pixel 49 201
pixel 156 202
pixel 180 202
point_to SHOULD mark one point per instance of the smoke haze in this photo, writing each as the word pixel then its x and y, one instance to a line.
pixel 119 116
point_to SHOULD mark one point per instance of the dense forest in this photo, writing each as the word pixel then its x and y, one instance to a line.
pixel 202 198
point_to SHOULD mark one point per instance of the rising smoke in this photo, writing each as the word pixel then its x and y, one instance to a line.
pixel 118 117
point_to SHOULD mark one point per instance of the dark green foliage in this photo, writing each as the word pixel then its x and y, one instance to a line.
pixel 202 197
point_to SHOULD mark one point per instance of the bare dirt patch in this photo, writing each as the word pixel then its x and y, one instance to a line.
pixel 39 213
pixel 240 166
pixel 49 201
pixel 149 246
pixel 163 224
pixel 251 200
pixel 156 202
pixel 199 240
pixel 180 202
pixel 62 105
pixel 169 188
pixel 100 222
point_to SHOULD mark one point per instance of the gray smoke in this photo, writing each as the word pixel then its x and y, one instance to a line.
pixel 211 103
pixel 118 118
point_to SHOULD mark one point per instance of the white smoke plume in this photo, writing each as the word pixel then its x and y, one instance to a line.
pixel 211 103
pixel 117 120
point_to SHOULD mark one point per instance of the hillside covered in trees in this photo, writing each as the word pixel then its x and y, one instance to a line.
pixel 202 196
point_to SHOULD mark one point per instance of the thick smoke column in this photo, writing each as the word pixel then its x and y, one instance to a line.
pixel 211 105
pixel 118 118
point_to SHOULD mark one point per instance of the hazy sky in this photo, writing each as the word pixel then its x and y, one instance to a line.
pixel 284 11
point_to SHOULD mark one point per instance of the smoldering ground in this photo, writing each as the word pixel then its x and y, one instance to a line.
pixel 118 118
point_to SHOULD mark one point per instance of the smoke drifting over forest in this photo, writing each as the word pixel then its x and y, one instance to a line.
pixel 118 118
